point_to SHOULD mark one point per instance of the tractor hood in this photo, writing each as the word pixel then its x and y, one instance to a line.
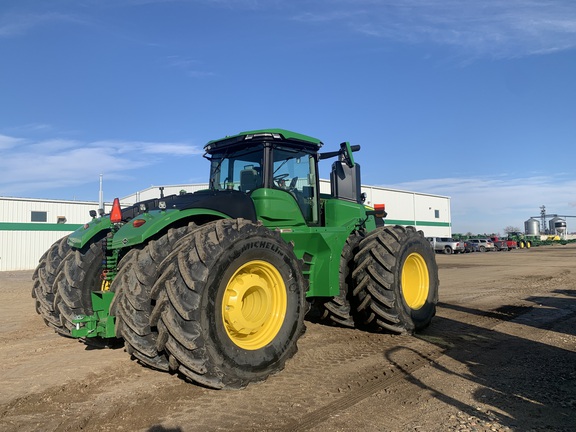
pixel 161 212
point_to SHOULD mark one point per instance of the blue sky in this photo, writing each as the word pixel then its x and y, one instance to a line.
pixel 471 99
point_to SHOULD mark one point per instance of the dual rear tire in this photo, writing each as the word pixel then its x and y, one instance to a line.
pixel 63 282
pixel 132 306
pixel 230 304
pixel 43 290
pixel 396 280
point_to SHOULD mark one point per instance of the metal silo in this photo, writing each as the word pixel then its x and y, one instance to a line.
pixel 532 227
pixel 557 225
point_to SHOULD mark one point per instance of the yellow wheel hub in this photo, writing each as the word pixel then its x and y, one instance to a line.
pixel 415 281
pixel 254 305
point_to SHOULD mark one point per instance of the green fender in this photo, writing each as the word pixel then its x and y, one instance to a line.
pixel 132 233
pixel 84 234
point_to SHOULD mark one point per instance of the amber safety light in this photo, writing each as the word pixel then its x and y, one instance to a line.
pixel 138 223
pixel 116 213
pixel 380 210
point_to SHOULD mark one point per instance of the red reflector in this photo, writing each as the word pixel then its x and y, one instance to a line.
pixel 138 222
pixel 116 213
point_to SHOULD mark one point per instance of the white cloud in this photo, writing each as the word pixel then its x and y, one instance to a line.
pixel 191 67
pixel 17 24
pixel 171 149
pixel 495 28
pixel 27 166
pixel 7 142
pixel 160 148
pixel 485 205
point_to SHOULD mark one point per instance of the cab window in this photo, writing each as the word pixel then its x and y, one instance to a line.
pixel 295 172
pixel 238 171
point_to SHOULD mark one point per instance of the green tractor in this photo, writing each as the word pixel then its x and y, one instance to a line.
pixel 215 285
pixel 523 241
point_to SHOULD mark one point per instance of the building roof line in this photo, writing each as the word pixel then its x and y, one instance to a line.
pixel 184 186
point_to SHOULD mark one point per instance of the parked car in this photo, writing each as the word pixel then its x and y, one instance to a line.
pixel 469 246
pixel 482 244
pixel 446 245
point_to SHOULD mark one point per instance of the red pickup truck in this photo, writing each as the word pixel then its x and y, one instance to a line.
pixel 503 244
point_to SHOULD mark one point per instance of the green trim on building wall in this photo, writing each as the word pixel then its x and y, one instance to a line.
pixel 18 226
pixel 417 223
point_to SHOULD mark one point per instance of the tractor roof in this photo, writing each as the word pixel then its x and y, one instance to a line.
pixel 283 136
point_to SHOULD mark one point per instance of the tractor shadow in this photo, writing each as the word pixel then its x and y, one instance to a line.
pixel 521 383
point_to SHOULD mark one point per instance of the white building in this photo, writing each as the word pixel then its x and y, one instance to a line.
pixel 28 227
pixel 426 212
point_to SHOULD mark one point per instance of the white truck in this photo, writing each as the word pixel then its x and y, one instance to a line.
pixel 446 245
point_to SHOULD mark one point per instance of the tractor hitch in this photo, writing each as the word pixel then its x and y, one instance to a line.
pixel 101 323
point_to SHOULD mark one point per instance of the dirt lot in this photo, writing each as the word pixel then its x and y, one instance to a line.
pixel 500 355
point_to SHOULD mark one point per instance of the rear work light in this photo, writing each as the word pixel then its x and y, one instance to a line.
pixel 116 213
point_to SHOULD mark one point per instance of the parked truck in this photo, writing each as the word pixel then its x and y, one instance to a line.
pixel 446 245
pixel 215 285
pixel 503 244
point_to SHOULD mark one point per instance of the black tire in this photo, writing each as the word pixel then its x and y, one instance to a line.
pixel 482 249
pixel 78 275
pixel 396 280
pixel 132 304
pixel 336 310
pixel 248 268
pixel 448 250
pixel 43 289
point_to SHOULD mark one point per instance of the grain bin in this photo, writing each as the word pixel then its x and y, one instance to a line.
pixel 532 227
pixel 557 225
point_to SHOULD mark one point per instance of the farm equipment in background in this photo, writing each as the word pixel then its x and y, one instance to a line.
pixel 524 241
pixel 215 285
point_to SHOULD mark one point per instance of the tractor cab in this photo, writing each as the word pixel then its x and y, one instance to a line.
pixel 277 168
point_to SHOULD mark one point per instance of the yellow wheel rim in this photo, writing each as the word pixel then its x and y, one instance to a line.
pixel 254 305
pixel 415 281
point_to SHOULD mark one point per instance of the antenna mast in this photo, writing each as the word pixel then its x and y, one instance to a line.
pixel 101 196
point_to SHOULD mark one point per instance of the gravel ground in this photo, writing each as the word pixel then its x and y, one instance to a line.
pixel 499 356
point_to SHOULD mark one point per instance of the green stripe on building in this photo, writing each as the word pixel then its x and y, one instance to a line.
pixel 17 226
pixel 437 224
pixel 417 223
